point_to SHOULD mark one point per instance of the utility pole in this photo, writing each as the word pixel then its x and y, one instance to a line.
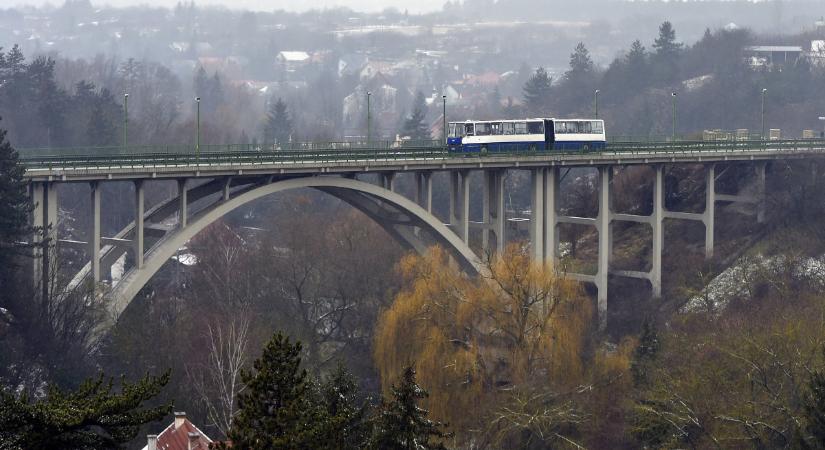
pixel 198 128
pixel 444 133
pixel 596 103
pixel 764 91
pixel 369 120
pixel 673 95
pixel 125 121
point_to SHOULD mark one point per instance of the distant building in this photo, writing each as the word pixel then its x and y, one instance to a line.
pixel 179 435
pixel 773 56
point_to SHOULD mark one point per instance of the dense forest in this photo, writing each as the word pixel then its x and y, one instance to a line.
pixel 303 325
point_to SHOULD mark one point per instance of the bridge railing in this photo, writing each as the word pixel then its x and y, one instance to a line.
pixel 342 152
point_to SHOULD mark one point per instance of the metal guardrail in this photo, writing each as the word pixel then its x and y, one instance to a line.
pixel 342 152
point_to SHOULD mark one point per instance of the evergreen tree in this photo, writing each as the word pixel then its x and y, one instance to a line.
pixel 14 202
pixel 92 417
pixel 402 424
pixel 667 54
pixel 276 410
pixel 344 425
pixel 537 92
pixel 277 126
pixel 645 353
pixel 415 125
pixel 666 45
pixel 580 63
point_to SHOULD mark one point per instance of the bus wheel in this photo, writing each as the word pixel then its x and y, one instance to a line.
pixel 586 147
pixel 532 148
pixel 483 149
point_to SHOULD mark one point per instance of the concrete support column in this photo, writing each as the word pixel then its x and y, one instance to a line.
pixel 486 214
pixel 183 203
pixel 388 181
pixel 497 210
pixel 94 233
pixel 464 224
pixel 537 214
pixel 603 227
pixel 709 217
pixel 36 194
pixel 656 222
pixel 137 240
pixel 227 183
pixel 761 205
pixel 424 190
pixel 460 203
pixel 551 208
pixel 44 239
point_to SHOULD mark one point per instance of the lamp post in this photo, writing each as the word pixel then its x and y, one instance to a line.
pixel 596 103
pixel 125 120
pixel 198 128
pixel 764 91
pixel 369 119
pixel 673 96
pixel 444 116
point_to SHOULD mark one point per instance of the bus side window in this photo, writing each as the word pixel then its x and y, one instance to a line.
pixel 508 128
pixel 521 127
pixel 597 127
pixel 495 129
pixel 468 130
pixel 585 127
pixel 535 127
pixel 561 127
pixel 452 130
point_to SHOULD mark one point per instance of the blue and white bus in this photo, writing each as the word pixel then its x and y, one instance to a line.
pixel 526 135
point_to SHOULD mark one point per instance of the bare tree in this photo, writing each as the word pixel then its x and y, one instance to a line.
pixel 217 382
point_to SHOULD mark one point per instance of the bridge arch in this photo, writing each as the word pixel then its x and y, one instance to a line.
pixel 394 212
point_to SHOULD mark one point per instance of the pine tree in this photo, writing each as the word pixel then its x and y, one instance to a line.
pixel 14 202
pixel 666 45
pixel 277 125
pixel 402 424
pixel 580 63
pixel 344 424
pixel 92 417
pixel 415 126
pixel 537 92
pixel 276 410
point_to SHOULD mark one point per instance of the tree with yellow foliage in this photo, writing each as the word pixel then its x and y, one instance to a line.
pixel 485 345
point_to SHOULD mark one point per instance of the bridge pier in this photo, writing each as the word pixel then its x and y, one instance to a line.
pixel 94 232
pixel 183 203
pixel 657 224
pixel 761 199
pixel 551 213
pixel 44 238
pixel 460 203
pixel 137 240
pixel 709 217
pixel 537 213
pixel 493 210
pixel 424 190
pixel 603 221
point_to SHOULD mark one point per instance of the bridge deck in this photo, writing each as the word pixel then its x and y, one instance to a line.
pixel 341 158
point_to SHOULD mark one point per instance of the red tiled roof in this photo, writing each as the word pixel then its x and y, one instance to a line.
pixel 178 438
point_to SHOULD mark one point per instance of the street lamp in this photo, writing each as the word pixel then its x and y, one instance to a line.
pixel 764 91
pixel 673 95
pixel 596 103
pixel 444 115
pixel 125 120
pixel 198 128
pixel 369 119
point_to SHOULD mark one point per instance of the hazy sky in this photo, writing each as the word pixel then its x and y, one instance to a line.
pixel 268 5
